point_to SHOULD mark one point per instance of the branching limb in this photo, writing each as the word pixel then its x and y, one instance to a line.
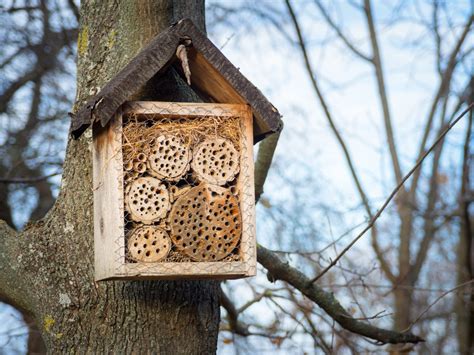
pixel 233 315
pixel 280 270
pixel 377 62
pixel 340 34
pixel 429 228
pixel 444 84
pixel 26 180
pixel 10 281
pixel 444 294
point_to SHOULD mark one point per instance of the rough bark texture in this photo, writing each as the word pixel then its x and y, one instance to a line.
pixel 48 268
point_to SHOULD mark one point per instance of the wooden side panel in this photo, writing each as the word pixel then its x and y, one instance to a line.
pixel 108 198
pixel 209 81
pixel 246 186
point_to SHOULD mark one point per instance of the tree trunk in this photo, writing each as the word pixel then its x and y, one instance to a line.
pixel 464 305
pixel 48 269
pixel 403 305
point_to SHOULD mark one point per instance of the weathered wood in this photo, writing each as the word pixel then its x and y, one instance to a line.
pixel 148 244
pixel 143 208
pixel 175 152
pixel 212 74
pixel 184 271
pixel 178 109
pixel 108 196
pixel 217 230
pixel 247 200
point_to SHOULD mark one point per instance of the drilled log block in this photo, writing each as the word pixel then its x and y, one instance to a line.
pixel 148 244
pixel 216 161
pixel 206 223
pixel 147 200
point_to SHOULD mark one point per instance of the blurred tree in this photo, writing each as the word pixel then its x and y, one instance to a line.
pixel 425 213
pixel 37 55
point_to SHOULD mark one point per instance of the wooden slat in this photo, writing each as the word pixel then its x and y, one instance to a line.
pixel 183 270
pixel 181 109
pixel 246 187
pixel 209 81
pixel 108 198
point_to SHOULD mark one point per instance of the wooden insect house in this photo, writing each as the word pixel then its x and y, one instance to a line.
pixel 173 182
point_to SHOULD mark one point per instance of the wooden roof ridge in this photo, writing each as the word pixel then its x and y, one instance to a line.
pixel 212 75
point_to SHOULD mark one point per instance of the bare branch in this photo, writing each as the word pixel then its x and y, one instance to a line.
pixel 233 315
pixel 27 180
pixel 443 86
pixel 340 34
pixel 437 36
pixel 377 62
pixel 280 270
pixel 74 9
pixel 437 300
pixel 311 73
pixel 8 93
pixel 394 192
pixel 429 228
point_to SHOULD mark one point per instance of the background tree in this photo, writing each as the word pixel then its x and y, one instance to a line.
pixel 425 214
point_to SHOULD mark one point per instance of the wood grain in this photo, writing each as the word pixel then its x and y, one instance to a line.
pixel 109 236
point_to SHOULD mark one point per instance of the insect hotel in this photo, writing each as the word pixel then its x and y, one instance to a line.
pixel 173 182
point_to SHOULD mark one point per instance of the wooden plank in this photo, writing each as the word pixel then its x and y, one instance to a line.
pixel 175 109
pixel 209 81
pixel 183 270
pixel 228 83
pixel 245 185
pixel 108 198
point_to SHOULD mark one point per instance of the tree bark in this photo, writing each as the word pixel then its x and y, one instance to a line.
pixel 464 305
pixel 48 268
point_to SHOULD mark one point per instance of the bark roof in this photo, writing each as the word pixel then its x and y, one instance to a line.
pixel 213 77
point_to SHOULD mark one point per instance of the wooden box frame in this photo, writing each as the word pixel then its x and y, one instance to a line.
pixel 108 190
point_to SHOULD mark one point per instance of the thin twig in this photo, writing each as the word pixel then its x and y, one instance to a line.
pixel 436 301
pixel 394 192
pixel 311 73
pixel 27 180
